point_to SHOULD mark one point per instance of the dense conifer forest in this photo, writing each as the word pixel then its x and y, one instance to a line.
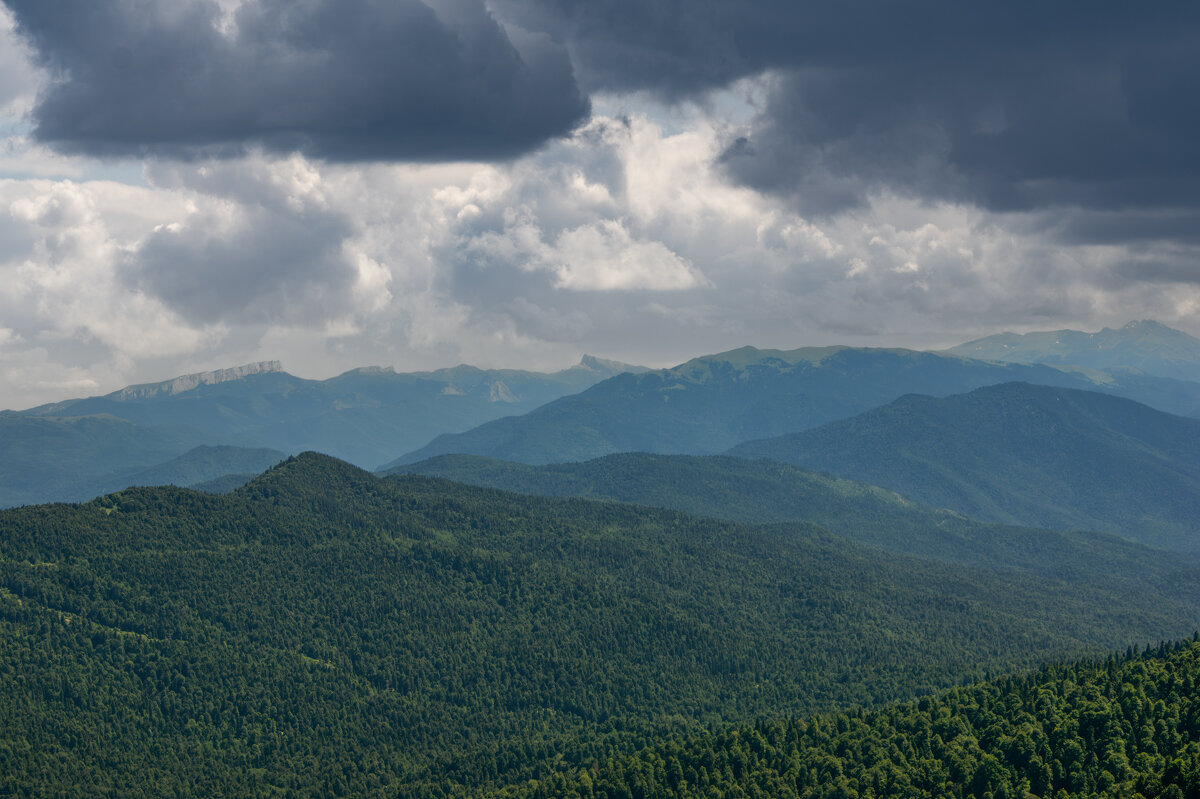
pixel 760 491
pixel 1122 727
pixel 325 632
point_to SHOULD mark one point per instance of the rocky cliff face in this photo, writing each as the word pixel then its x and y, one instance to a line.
pixel 605 366
pixel 188 382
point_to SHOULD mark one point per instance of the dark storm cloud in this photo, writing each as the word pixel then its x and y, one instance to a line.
pixel 1138 226
pixel 1011 106
pixel 1178 267
pixel 679 47
pixel 342 80
pixel 1022 134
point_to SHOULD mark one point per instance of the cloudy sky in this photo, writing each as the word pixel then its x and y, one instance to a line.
pixel 191 184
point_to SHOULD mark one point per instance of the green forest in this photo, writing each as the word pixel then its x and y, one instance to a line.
pixel 764 491
pixel 1124 727
pixel 325 632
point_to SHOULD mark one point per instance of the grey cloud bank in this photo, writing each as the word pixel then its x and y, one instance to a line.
pixel 344 80
pixel 1010 106
pixel 416 184
pixel 1014 106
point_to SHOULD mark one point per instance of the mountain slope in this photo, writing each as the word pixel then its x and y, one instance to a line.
pixel 365 416
pixel 712 403
pixel 1021 454
pixel 198 465
pixel 55 459
pixel 225 484
pixel 322 631
pixel 765 491
pixel 1119 728
pixel 1145 346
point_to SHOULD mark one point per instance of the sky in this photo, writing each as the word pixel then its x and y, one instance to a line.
pixel 193 184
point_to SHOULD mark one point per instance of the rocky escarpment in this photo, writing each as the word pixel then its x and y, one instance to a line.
pixel 188 382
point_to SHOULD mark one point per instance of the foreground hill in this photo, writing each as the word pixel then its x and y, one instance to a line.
pixel 1146 346
pixel 1021 454
pixel 710 404
pixel 324 632
pixel 76 449
pixel 765 491
pixel 1121 728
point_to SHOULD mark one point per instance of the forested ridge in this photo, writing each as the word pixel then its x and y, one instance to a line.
pixel 322 631
pixel 1018 453
pixel 1124 727
pixel 760 491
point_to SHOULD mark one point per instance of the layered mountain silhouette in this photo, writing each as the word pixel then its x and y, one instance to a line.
pixel 1021 454
pixel 767 491
pixel 74 449
pixel 68 450
pixel 203 467
pixel 710 404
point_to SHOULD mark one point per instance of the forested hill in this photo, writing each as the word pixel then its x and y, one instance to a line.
pixel 1021 454
pixel 1125 727
pixel 321 631
pixel 762 490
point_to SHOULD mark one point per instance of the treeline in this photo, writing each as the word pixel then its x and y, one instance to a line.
pixel 1127 727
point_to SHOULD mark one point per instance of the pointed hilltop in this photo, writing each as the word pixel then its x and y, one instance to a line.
pixel 309 474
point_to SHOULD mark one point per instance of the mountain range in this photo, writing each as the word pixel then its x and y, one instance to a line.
pixel 713 403
pixel 75 449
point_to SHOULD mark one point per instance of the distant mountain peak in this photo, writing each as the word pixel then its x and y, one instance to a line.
pixel 183 383
pixel 366 370
pixel 1142 345
pixel 592 362
pixel 1148 324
